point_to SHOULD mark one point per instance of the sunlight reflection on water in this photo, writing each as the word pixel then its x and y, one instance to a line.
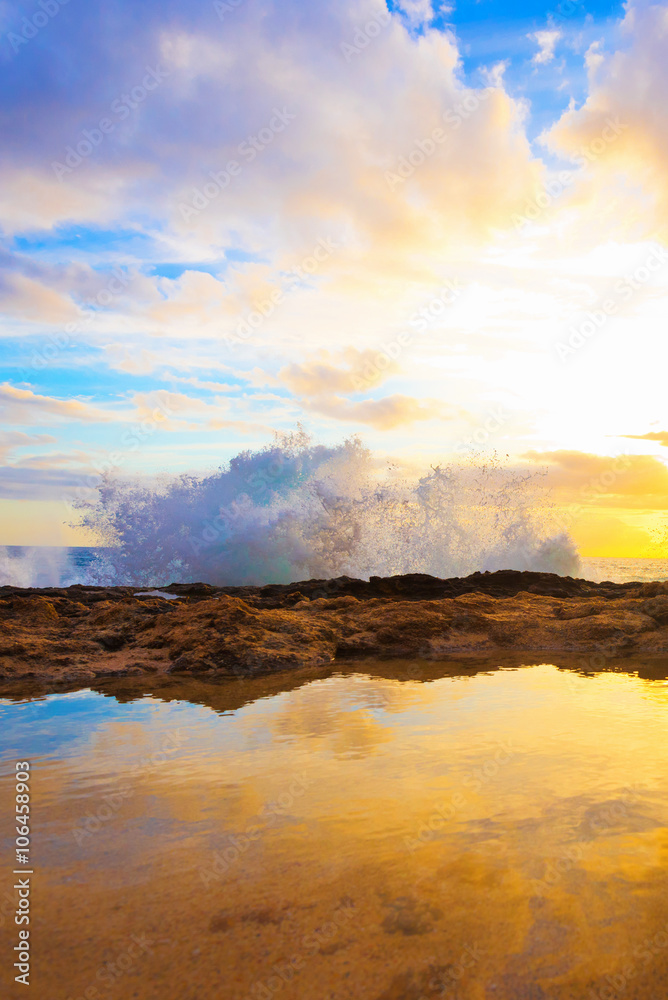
pixel 485 833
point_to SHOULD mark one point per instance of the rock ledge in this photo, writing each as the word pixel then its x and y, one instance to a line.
pixel 78 634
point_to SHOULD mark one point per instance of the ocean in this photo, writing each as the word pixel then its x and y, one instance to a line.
pixel 624 570
pixel 45 566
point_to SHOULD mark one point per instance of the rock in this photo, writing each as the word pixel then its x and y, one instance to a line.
pixel 656 608
pixel 229 636
pixel 111 640
pixel 28 609
pixel 72 634
pixel 654 588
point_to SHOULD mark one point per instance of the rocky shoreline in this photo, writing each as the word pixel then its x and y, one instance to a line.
pixel 78 635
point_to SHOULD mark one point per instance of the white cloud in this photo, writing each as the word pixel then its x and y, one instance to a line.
pixel 625 89
pixel 547 41
pixel 11 440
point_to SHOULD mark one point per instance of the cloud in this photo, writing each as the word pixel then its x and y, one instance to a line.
pixel 176 411
pixel 419 13
pixel 208 386
pixel 39 291
pixel 322 175
pixel 304 173
pixel 140 362
pixel 44 483
pixel 24 407
pixel 195 303
pixel 599 534
pixel 27 299
pixel 383 414
pixel 625 88
pixel 31 199
pixel 11 440
pixel 639 481
pixel 349 158
pixel 660 436
pixel 318 380
pixel 547 41
pixel 319 376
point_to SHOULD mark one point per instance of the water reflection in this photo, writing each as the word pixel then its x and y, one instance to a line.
pixel 411 831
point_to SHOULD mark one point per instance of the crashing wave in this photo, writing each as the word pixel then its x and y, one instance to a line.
pixel 297 510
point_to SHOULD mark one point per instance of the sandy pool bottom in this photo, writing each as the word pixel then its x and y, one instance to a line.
pixel 500 833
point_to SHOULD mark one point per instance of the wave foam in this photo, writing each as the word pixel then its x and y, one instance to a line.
pixel 296 510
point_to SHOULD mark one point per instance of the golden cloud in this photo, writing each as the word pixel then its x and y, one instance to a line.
pixel 638 481
pixel 24 407
pixel 660 436
pixel 319 376
pixel 383 414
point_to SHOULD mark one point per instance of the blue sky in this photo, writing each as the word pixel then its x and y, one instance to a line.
pixel 229 214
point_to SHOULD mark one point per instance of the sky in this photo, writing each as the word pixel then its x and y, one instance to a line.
pixel 441 226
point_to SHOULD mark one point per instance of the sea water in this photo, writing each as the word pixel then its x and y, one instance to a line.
pixel 405 831
pixel 23 566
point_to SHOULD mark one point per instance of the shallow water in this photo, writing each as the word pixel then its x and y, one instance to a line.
pixel 406 832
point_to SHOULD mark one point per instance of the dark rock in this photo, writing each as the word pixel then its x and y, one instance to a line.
pixel 111 640
pixel 656 608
